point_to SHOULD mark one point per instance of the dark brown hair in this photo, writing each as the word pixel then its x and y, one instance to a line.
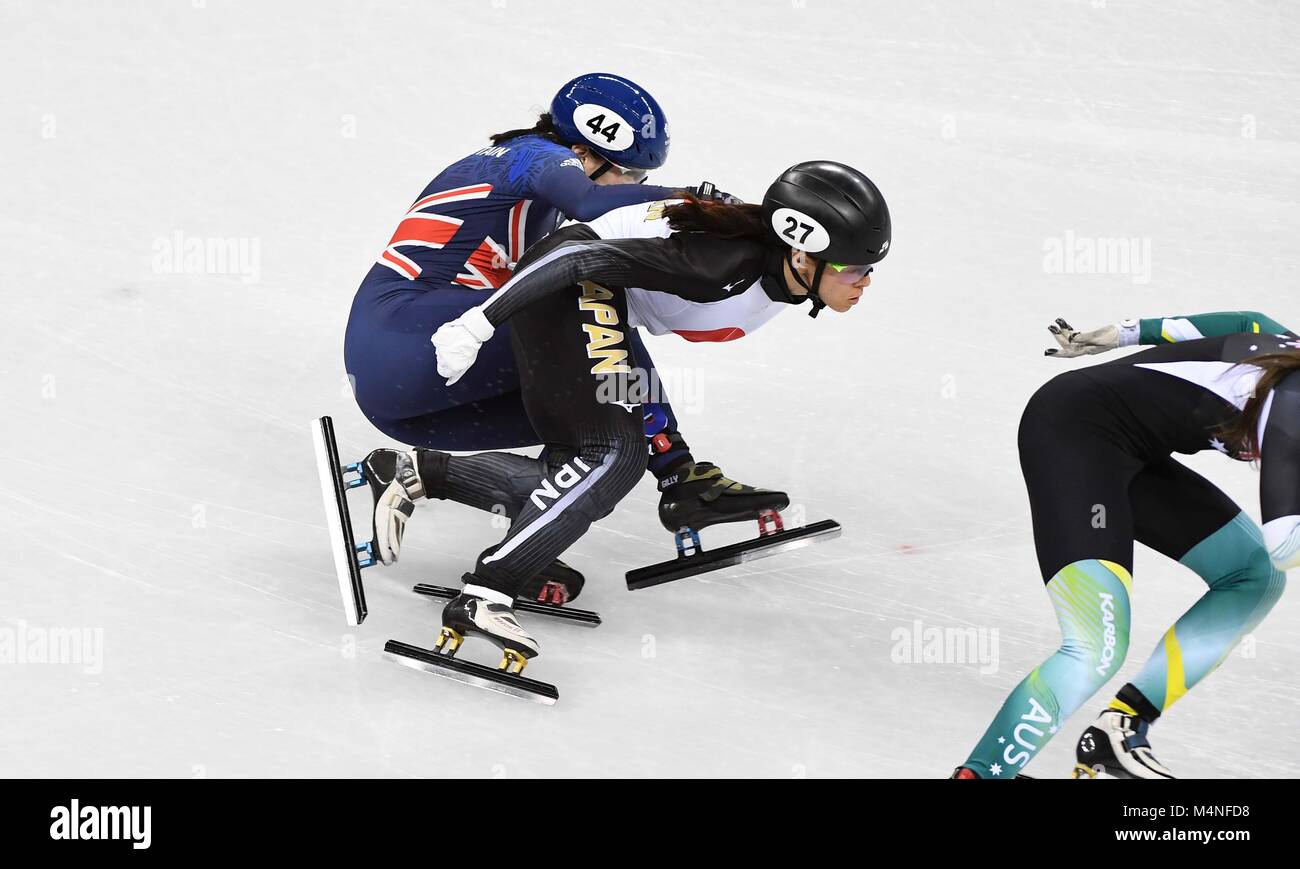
pixel 717 218
pixel 545 127
pixel 1243 431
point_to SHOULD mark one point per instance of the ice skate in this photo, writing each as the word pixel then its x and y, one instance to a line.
pixel 1116 746
pixel 697 496
pixel 473 614
pixel 479 612
pixel 395 485
pixel 349 557
pixel 546 594
pixel 394 482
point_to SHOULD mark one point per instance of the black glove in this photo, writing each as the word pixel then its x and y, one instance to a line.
pixel 707 191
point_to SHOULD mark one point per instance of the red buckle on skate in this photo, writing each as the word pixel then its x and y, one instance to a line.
pixel 769 516
pixel 661 443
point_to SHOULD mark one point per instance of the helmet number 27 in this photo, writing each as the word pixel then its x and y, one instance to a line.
pixel 792 226
pixel 800 229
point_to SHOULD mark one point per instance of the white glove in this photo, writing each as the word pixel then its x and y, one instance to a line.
pixel 457 343
pixel 1076 343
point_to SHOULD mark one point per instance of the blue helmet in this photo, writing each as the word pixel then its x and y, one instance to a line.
pixel 616 118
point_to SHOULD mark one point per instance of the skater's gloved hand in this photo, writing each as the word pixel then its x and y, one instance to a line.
pixel 457 343
pixel 1075 343
pixel 706 190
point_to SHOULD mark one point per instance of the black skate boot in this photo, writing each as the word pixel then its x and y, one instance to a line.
pixel 557 585
pixel 394 480
pixel 696 495
pixel 1116 746
pixel 479 612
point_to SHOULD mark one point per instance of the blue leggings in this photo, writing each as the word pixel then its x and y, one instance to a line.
pixel 394 373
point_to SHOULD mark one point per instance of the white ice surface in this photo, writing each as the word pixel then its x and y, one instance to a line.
pixel 156 474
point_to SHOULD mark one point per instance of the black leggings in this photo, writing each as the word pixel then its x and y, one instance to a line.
pixel 1091 494
pixel 569 347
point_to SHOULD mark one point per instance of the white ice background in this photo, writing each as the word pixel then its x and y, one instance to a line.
pixel 156 474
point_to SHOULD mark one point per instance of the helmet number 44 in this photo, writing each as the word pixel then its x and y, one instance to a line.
pixel 608 132
pixel 603 127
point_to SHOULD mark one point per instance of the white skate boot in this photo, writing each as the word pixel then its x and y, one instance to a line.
pixel 394 479
pixel 1116 746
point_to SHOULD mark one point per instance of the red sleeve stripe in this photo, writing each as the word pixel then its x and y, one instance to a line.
pixel 459 194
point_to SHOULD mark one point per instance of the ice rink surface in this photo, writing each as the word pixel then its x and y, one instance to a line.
pixel 157 487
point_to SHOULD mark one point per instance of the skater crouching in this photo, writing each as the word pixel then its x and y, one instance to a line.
pixel 588 154
pixel 705 270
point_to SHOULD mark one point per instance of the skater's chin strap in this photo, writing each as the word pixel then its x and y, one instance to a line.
pixel 817 303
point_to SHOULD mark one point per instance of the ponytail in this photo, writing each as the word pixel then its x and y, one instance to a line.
pixel 741 221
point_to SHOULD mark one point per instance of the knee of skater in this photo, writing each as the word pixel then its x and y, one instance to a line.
pixel 622 445
pixel 1095 660
pixel 626 457
pixel 1261 579
pixel 1236 558
pixel 622 461
pixel 1091 599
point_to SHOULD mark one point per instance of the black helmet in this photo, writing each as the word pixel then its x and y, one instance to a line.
pixel 831 211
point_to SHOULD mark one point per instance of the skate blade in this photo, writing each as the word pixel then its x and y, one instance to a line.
pixel 586 618
pixel 347 568
pixel 708 561
pixel 470 673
